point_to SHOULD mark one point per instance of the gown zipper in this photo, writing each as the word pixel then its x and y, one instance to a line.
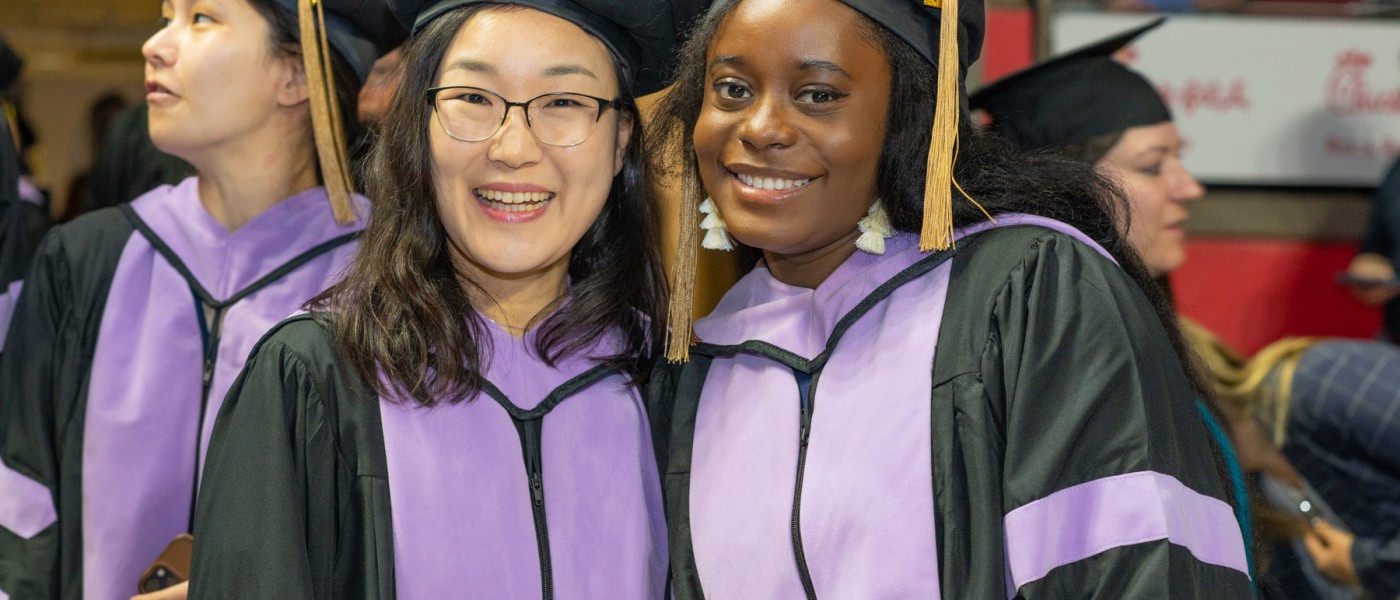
pixel 808 408
pixel 530 442
pixel 209 329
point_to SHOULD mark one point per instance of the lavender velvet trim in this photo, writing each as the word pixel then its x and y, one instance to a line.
pixel 8 299
pixel 1081 521
pixel 26 506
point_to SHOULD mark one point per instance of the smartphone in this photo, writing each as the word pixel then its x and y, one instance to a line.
pixel 170 568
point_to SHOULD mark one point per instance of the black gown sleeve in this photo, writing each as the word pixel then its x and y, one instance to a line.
pixel 1061 416
pixel 294 500
pixel 1096 397
pixel 30 439
pixel 264 519
pixel 43 399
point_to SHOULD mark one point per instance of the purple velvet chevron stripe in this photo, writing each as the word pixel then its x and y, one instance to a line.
pixel 8 299
pixel 1081 521
pixel 26 506
pixel 1011 219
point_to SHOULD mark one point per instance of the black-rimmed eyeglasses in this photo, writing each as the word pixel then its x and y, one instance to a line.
pixel 473 114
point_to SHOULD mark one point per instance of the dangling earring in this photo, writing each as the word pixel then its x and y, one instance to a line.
pixel 716 232
pixel 874 229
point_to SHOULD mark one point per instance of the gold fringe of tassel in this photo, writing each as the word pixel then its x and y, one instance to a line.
pixel 678 312
pixel 325 111
pixel 937 232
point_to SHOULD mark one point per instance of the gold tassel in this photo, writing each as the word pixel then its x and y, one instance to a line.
pixel 937 232
pixel 325 111
pixel 679 312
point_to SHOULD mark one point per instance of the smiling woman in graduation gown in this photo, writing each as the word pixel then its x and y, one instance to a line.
pixel 905 398
pixel 135 320
pixel 460 417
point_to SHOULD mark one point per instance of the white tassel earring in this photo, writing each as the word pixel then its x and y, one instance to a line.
pixel 716 232
pixel 875 228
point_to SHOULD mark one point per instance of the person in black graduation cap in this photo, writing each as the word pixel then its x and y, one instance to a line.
pixel 135 320
pixel 937 382
pixel 1089 106
pixel 1128 132
pixel 460 416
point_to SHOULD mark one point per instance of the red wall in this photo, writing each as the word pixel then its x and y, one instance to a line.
pixel 1251 292
pixel 1009 43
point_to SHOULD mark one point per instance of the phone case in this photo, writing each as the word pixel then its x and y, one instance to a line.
pixel 170 568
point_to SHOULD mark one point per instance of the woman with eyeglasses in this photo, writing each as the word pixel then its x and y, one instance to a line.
pixel 460 417
pixel 135 320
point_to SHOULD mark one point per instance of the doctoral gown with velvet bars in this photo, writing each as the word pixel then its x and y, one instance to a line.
pixel 543 486
pixel 1003 420
pixel 132 324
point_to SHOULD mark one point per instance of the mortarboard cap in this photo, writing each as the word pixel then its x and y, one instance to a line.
pixel 360 30
pixel 1073 98
pixel 919 24
pixel 640 33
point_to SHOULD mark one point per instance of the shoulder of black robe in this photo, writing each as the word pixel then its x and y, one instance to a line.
pixel 295 486
pixel 1054 371
pixel 43 391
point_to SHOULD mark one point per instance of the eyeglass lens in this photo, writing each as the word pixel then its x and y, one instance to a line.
pixel 560 119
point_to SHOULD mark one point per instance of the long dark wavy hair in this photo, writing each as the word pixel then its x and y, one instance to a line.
pixel 285 33
pixel 1002 180
pixel 401 317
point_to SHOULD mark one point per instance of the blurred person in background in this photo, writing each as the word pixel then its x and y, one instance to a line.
pixel 128 164
pixel 34 212
pixel 1088 106
pixel 103 113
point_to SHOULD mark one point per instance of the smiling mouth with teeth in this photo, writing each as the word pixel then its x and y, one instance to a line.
pixel 514 201
pixel 771 183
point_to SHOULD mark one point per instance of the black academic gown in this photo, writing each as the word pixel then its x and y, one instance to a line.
pixel 1052 449
pixel 133 322
pixel 544 486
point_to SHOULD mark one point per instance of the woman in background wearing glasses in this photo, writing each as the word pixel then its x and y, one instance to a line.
pixel 460 416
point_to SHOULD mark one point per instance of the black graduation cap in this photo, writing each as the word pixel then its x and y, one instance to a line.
pixel 360 30
pixel 943 33
pixel 1073 98
pixel 919 24
pixel 640 33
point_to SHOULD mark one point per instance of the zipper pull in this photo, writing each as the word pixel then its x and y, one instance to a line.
pixel 536 489
pixel 806 427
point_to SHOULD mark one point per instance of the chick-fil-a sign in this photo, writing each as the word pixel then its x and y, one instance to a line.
pixel 1268 100
pixel 1350 91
